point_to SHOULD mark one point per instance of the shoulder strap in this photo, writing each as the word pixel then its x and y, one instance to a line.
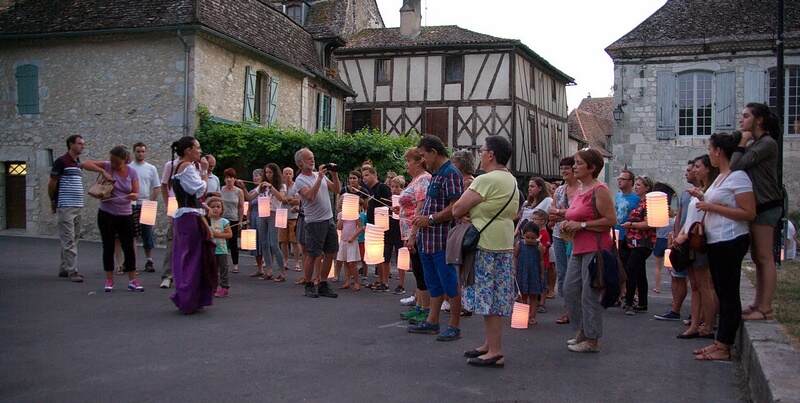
pixel 513 193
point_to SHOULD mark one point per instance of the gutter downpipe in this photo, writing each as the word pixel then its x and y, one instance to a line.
pixel 187 52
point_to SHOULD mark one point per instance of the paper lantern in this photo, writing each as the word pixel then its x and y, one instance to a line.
pixel 519 316
pixel 148 212
pixel 172 206
pixel 657 209
pixel 350 207
pixel 403 259
pixel 248 239
pixel 281 216
pixel 246 209
pixel 667 262
pixel 373 245
pixel 382 217
pixel 395 200
pixel 332 271
pixel 263 207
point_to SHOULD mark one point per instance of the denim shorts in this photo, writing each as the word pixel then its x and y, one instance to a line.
pixel 440 277
pixel 770 217
pixel 661 246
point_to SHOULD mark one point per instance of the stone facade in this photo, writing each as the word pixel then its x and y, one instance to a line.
pixel 635 140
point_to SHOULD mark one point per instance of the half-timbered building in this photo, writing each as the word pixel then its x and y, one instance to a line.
pixel 459 85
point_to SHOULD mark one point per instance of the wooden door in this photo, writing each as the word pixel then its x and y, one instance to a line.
pixel 15 194
pixel 436 123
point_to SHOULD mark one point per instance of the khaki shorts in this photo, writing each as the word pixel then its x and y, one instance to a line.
pixel 288 234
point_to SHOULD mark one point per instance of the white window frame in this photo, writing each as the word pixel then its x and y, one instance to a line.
pixel 785 124
pixel 712 89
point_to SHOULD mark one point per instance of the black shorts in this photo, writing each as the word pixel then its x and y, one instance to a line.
pixel 320 238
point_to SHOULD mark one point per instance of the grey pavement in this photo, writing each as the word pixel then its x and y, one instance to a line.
pixel 65 342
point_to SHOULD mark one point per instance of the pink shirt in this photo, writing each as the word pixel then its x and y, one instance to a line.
pixel 581 209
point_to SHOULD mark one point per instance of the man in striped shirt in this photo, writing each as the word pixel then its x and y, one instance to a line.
pixel 66 194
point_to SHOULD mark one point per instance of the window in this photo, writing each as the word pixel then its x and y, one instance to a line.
pixel 556 143
pixel 694 103
pixel 261 97
pixel 17 169
pixel 295 13
pixel 534 133
pixel 323 112
pixel 27 89
pixel 383 71
pixel 791 106
pixel 553 94
pixel 453 69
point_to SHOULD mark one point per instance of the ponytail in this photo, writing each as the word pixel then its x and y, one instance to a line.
pixel 769 121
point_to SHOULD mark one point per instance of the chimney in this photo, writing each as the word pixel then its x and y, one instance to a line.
pixel 410 18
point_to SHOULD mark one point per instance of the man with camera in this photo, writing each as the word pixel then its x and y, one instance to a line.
pixel 320 240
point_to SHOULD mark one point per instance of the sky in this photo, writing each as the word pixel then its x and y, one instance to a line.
pixel 570 34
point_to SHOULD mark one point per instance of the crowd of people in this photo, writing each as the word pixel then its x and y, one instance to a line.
pixel 477 243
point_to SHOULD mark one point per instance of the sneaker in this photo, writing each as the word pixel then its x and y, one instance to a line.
pixel 669 315
pixel 149 267
pixel 109 286
pixel 63 274
pixel 583 347
pixel 424 328
pixel 325 291
pixel 449 334
pixel 410 313
pixel 381 288
pixel 218 293
pixel 408 301
pixel 399 290
pixel 310 290
pixel 75 277
pixel 134 285
pixel 420 317
pixel 628 310
pixel 166 283
pixel 446 306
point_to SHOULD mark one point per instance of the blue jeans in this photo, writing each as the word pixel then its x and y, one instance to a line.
pixel 562 260
pixel 440 277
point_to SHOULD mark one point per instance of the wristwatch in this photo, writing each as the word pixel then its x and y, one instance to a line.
pixel 430 220
pixel 583 225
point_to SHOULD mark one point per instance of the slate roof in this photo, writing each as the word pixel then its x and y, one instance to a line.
pixel 738 23
pixel 593 122
pixel 443 36
pixel 251 22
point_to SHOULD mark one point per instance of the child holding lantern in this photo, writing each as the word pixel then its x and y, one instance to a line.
pixel 394 242
pixel 539 217
pixel 528 259
pixel 349 253
pixel 221 232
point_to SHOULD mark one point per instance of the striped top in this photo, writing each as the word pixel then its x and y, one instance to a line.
pixel 70 181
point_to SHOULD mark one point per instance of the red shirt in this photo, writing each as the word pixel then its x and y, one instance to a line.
pixel 544 239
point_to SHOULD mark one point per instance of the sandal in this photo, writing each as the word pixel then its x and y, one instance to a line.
pixel 757 315
pixel 705 350
pixel 300 281
pixel 541 309
pixel 297 268
pixel 279 279
pixel 749 309
pixel 719 354
pixel 563 320
pixel 532 322
pixel 257 274
pixel 494 362
pixel 266 277
pixel 345 286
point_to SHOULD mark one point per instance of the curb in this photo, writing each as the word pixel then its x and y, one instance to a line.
pixel 771 364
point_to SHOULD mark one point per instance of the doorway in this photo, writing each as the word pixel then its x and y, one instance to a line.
pixel 16 171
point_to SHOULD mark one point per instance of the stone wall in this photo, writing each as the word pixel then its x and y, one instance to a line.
pixel 110 89
pixel 634 142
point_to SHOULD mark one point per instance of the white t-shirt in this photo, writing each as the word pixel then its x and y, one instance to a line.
pixel 167 174
pixel 791 243
pixel 148 178
pixel 292 192
pixel 319 208
pixel 724 191
pixel 693 215
pixel 213 184
pixel 193 184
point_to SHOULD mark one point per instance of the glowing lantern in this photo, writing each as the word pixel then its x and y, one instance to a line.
pixel 382 217
pixel 246 209
pixel 281 216
pixel 350 207
pixel 148 212
pixel 373 245
pixel 657 209
pixel 667 262
pixel 248 239
pixel 395 200
pixel 519 317
pixel 172 206
pixel 403 259
pixel 263 207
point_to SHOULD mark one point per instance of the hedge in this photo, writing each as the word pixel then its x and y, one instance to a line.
pixel 246 146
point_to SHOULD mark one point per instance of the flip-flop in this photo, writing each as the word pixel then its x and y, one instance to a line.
pixel 705 350
pixel 710 357
pixel 562 320
pixel 279 279
pixel 749 309
pixel 757 315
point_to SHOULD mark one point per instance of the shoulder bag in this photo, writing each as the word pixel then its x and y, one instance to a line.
pixel 697 231
pixel 102 188
pixel 473 235
pixel 606 268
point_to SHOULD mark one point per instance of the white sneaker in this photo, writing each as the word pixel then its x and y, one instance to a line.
pixel 408 301
pixel 166 283
pixel 445 305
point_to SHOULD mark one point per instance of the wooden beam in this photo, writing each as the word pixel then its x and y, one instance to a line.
pixel 478 77
pixel 494 78
pixel 428 104
pixel 363 83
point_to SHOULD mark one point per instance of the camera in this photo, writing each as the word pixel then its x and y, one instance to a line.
pixel 332 167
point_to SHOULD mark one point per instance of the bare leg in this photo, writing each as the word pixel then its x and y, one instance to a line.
pixel 763 237
pixel 659 269
pixel 493 326
pixel 696 303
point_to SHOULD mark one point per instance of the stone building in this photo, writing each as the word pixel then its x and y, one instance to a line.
pixel 123 71
pixel 459 85
pixel 688 70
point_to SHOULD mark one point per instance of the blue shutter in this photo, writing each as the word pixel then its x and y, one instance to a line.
pixel 273 100
pixel 725 101
pixel 755 86
pixel 666 109
pixel 250 78
pixel 326 112
pixel 333 114
pixel 27 89
pixel 319 112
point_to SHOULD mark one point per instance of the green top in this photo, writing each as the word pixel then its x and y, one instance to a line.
pixel 222 244
pixel 495 188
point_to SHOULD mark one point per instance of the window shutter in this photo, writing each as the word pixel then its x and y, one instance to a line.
pixel 249 94
pixel 27 89
pixel 348 122
pixel 666 110
pixel 333 114
pixel 320 112
pixel 725 102
pixel 273 100
pixel 755 86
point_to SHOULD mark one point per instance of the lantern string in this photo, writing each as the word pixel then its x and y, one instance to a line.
pixel 369 196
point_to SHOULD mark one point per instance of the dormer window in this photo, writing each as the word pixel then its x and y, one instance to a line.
pixel 295 12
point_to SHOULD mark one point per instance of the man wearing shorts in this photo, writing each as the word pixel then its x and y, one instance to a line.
pixel 434 222
pixel 149 187
pixel 321 241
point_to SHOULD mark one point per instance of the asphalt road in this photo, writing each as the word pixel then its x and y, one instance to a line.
pixel 65 342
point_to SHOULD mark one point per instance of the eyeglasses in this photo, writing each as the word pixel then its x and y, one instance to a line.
pixel 624 179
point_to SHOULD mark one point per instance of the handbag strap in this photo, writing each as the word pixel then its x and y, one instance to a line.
pixel 513 193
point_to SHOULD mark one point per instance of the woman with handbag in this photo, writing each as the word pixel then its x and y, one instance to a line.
pixel 641 239
pixel 115 217
pixel 729 204
pixel 704 299
pixel 590 216
pixel 491 202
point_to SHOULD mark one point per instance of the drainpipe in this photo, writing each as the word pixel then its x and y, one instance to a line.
pixel 187 51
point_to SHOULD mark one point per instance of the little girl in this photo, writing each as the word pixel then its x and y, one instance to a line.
pixel 349 253
pixel 528 259
pixel 539 217
pixel 221 231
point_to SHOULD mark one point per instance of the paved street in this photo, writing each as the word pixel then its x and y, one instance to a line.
pixel 73 343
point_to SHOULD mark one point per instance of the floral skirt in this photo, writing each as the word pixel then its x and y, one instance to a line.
pixel 493 292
